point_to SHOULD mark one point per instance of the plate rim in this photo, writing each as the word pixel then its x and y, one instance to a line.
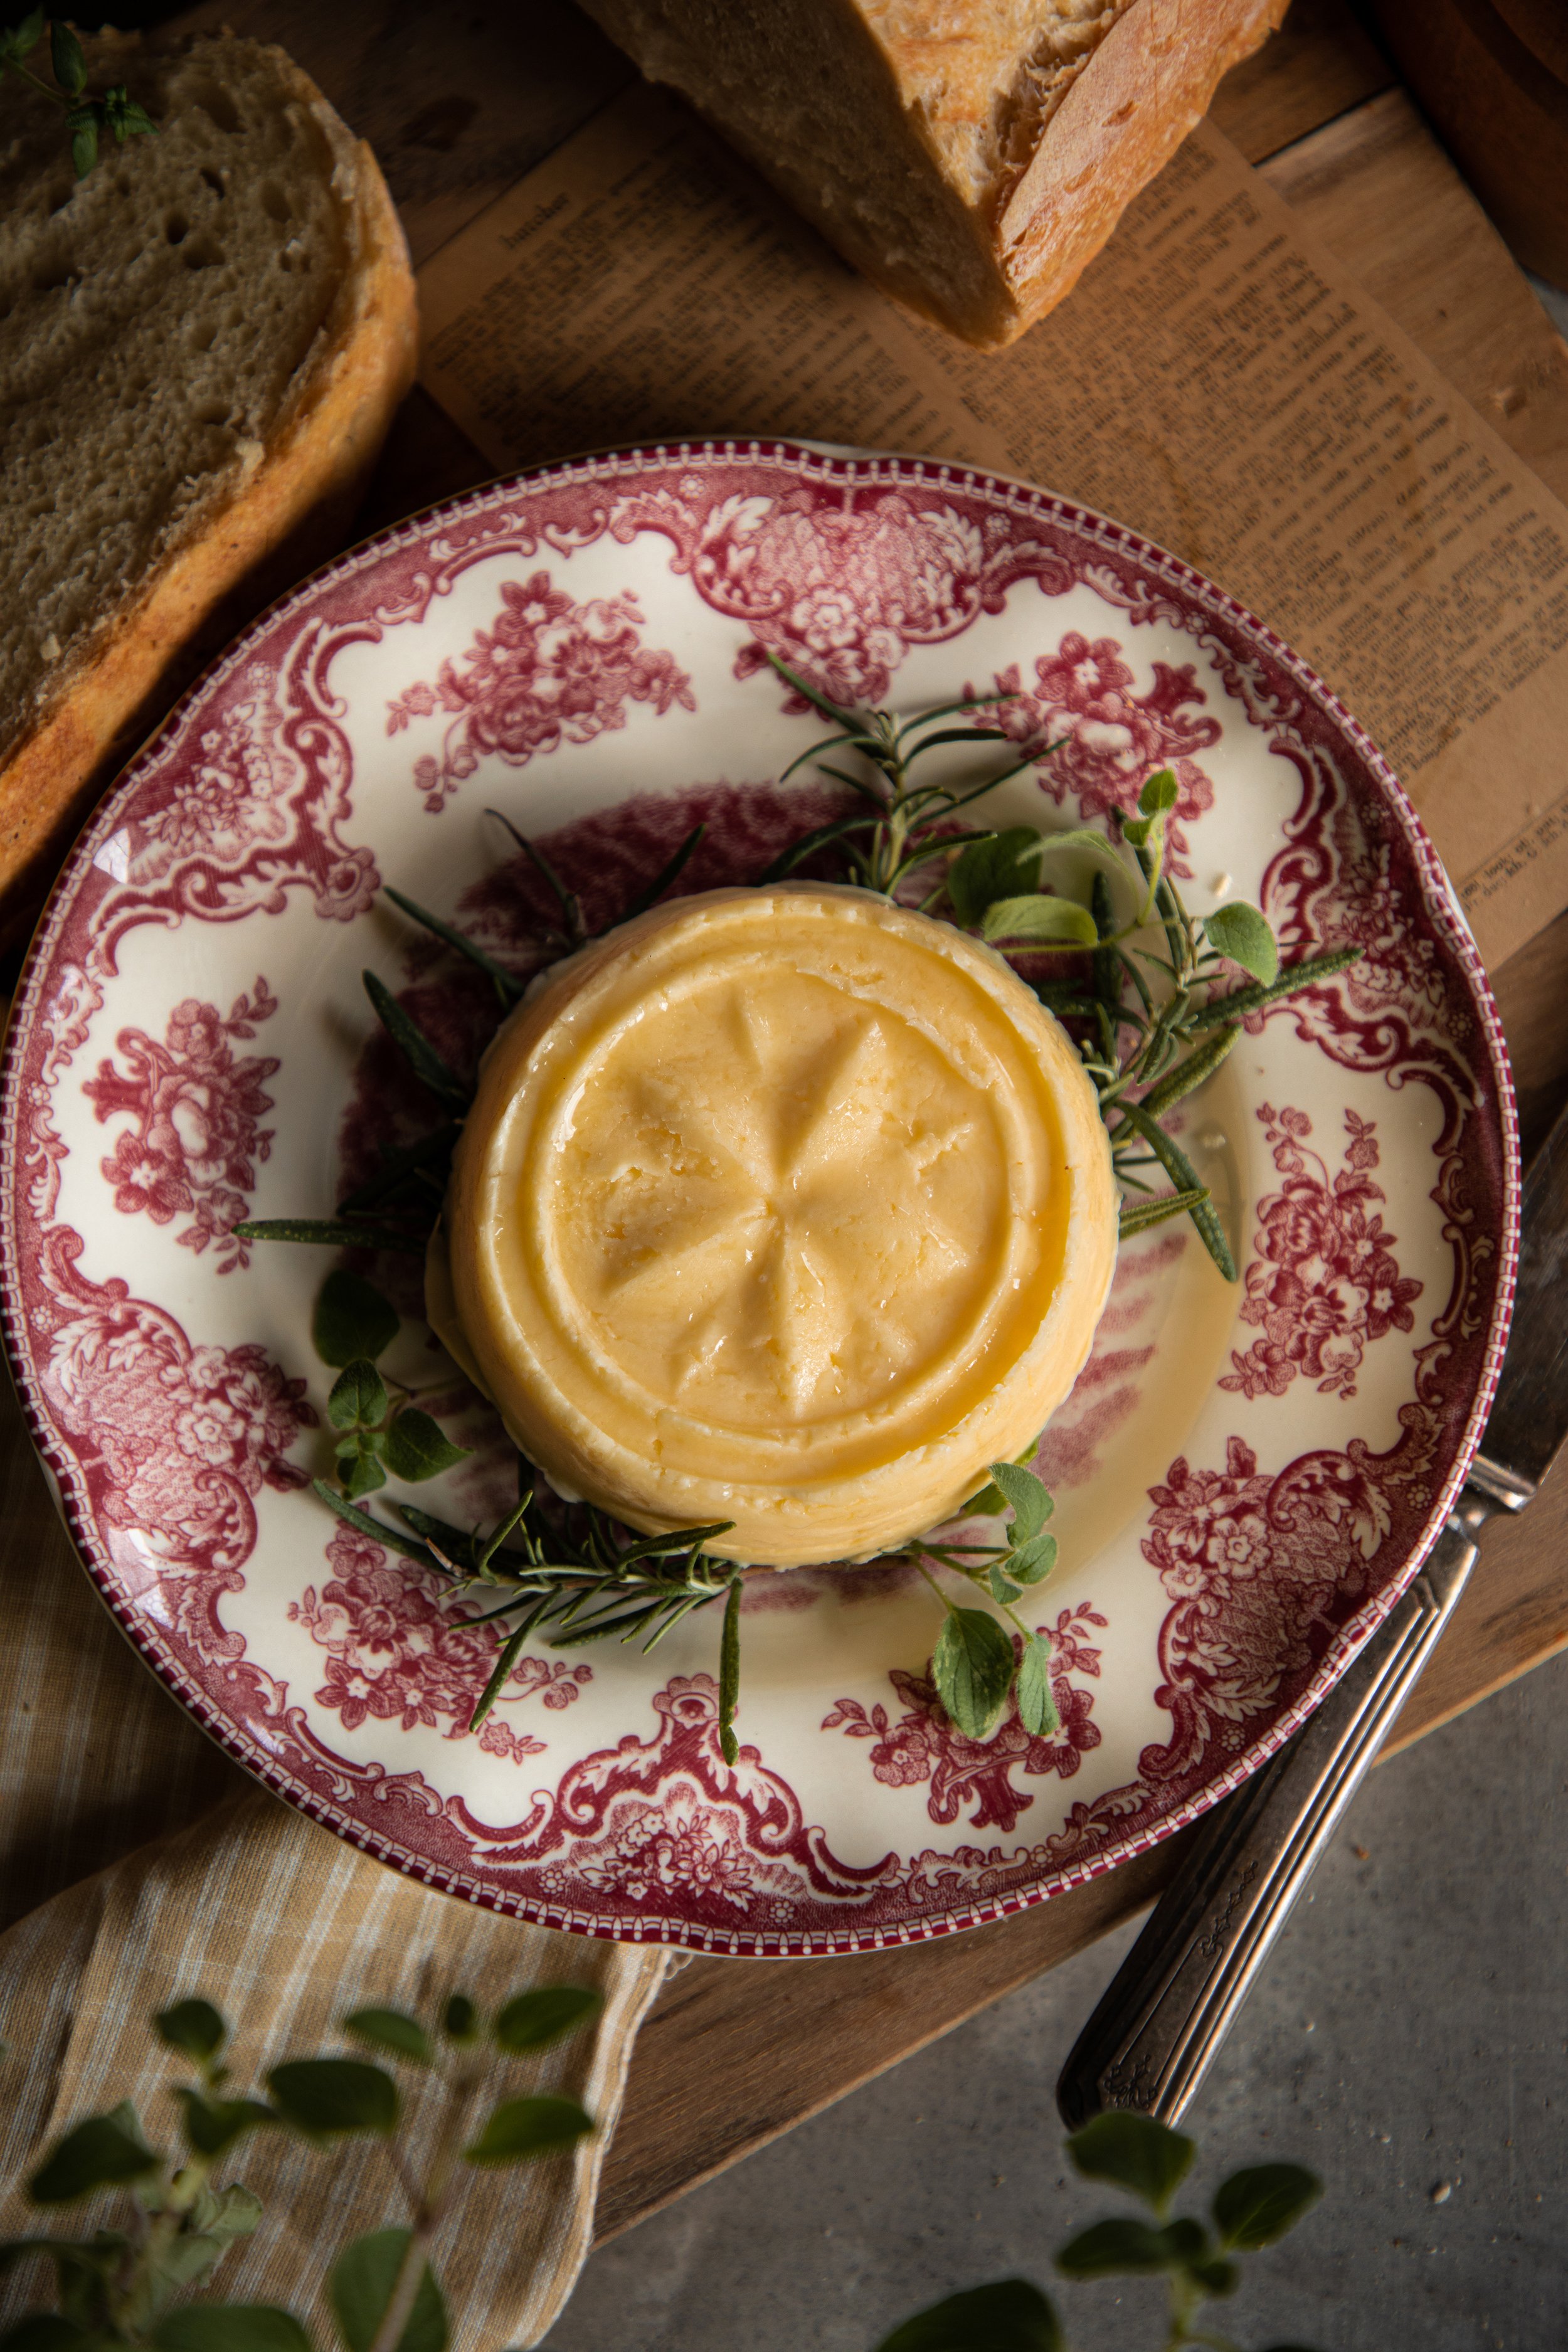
pixel 1440 903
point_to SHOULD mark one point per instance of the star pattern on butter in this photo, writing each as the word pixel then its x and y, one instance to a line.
pixel 792 1220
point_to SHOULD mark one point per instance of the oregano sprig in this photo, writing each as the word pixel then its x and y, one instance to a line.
pixel 115 111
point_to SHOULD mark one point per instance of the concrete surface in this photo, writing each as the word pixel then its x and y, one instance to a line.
pixel 1409 2037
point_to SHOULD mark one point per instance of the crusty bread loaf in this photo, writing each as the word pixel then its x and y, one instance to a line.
pixel 969 156
pixel 201 347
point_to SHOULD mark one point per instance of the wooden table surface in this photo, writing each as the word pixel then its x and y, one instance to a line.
pixel 458 105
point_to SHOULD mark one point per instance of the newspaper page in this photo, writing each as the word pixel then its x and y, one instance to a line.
pixel 1217 381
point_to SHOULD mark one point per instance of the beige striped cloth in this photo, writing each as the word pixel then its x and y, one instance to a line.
pixel 138 1867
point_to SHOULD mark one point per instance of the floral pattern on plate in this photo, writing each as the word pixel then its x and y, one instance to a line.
pixel 1247 1478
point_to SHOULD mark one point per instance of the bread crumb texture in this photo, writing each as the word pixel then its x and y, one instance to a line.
pixel 158 322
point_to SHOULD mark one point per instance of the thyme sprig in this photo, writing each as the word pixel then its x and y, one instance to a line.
pixel 87 118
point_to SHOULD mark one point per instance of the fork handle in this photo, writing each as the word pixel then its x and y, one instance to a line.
pixel 1170 2005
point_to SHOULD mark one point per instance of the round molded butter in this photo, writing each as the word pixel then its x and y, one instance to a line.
pixel 786 1206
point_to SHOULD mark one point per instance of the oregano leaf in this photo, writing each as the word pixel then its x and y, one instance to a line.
pixel 1132 2152
pixel 971 1668
pixel 1160 793
pixel 101 2152
pixel 1033 1561
pixel 532 2021
pixel 359 1399
pixel 417 1448
pixel 1240 932
pixel 390 2030
pixel 1008 2315
pixel 194 2026
pixel 351 1321
pixel 1027 1496
pixel 329 2097
pixel 519 2129
pixel 1254 2208
pixel 989 870
pixel 1039 918
pixel 230 2328
pixel 361 2287
pixel 1037 1700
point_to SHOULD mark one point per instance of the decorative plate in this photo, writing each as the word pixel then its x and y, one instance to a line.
pixel 1246 1477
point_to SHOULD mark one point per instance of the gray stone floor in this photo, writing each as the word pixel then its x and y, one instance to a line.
pixel 1410 2038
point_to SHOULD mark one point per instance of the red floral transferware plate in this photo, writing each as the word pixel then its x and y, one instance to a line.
pixel 1246 1476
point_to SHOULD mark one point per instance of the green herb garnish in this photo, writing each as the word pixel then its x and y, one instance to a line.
pixel 87 118
pixel 1152 1021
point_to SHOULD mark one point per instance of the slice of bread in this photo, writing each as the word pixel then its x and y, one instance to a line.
pixel 971 156
pixel 201 344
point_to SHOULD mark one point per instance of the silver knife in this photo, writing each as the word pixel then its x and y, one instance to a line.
pixel 1171 2003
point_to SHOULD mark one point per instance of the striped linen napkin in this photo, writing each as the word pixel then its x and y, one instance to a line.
pixel 281 1925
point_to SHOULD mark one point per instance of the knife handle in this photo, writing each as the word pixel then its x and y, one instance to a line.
pixel 1170 2005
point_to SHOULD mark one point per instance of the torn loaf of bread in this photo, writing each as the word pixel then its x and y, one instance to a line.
pixel 201 344
pixel 971 156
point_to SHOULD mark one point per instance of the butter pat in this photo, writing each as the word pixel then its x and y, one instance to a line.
pixel 786 1206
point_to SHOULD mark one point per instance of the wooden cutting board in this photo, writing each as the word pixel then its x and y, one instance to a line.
pixel 458 108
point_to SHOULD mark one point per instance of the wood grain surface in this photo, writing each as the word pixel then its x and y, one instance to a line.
pixel 458 108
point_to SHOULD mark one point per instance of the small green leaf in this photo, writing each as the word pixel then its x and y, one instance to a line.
pixel 360 2285
pixel 418 1447
pixel 364 1474
pixel 1159 793
pixel 390 2030
pixel 102 2152
pixel 124 116
pixel 989 870
pixel 1009 2315
pixel 1136 830
pixel 1027 1496
pixel 65 54
pixel 1037 1701
pixel 1243 935
pixel 1252 2208
pixel 460 2019
pixel 227 2213
pixel 1033 1561
pixel 1037 918
pixel 1002 1588
pixel 1133 2152
pixel 213 2125
pixel 532 2021
pixel 328 2096
pixel 23 39
pixel 971 1668
pixel 230 2328
pixel 521 2128
pixel 351 1321
pixel 194 2026
pixel 359 1399
pixel 84 146
pixel 1115 2249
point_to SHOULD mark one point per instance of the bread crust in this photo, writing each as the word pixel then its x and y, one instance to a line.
pixel 106 700
pixel 1147 85
pixel 1015 213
